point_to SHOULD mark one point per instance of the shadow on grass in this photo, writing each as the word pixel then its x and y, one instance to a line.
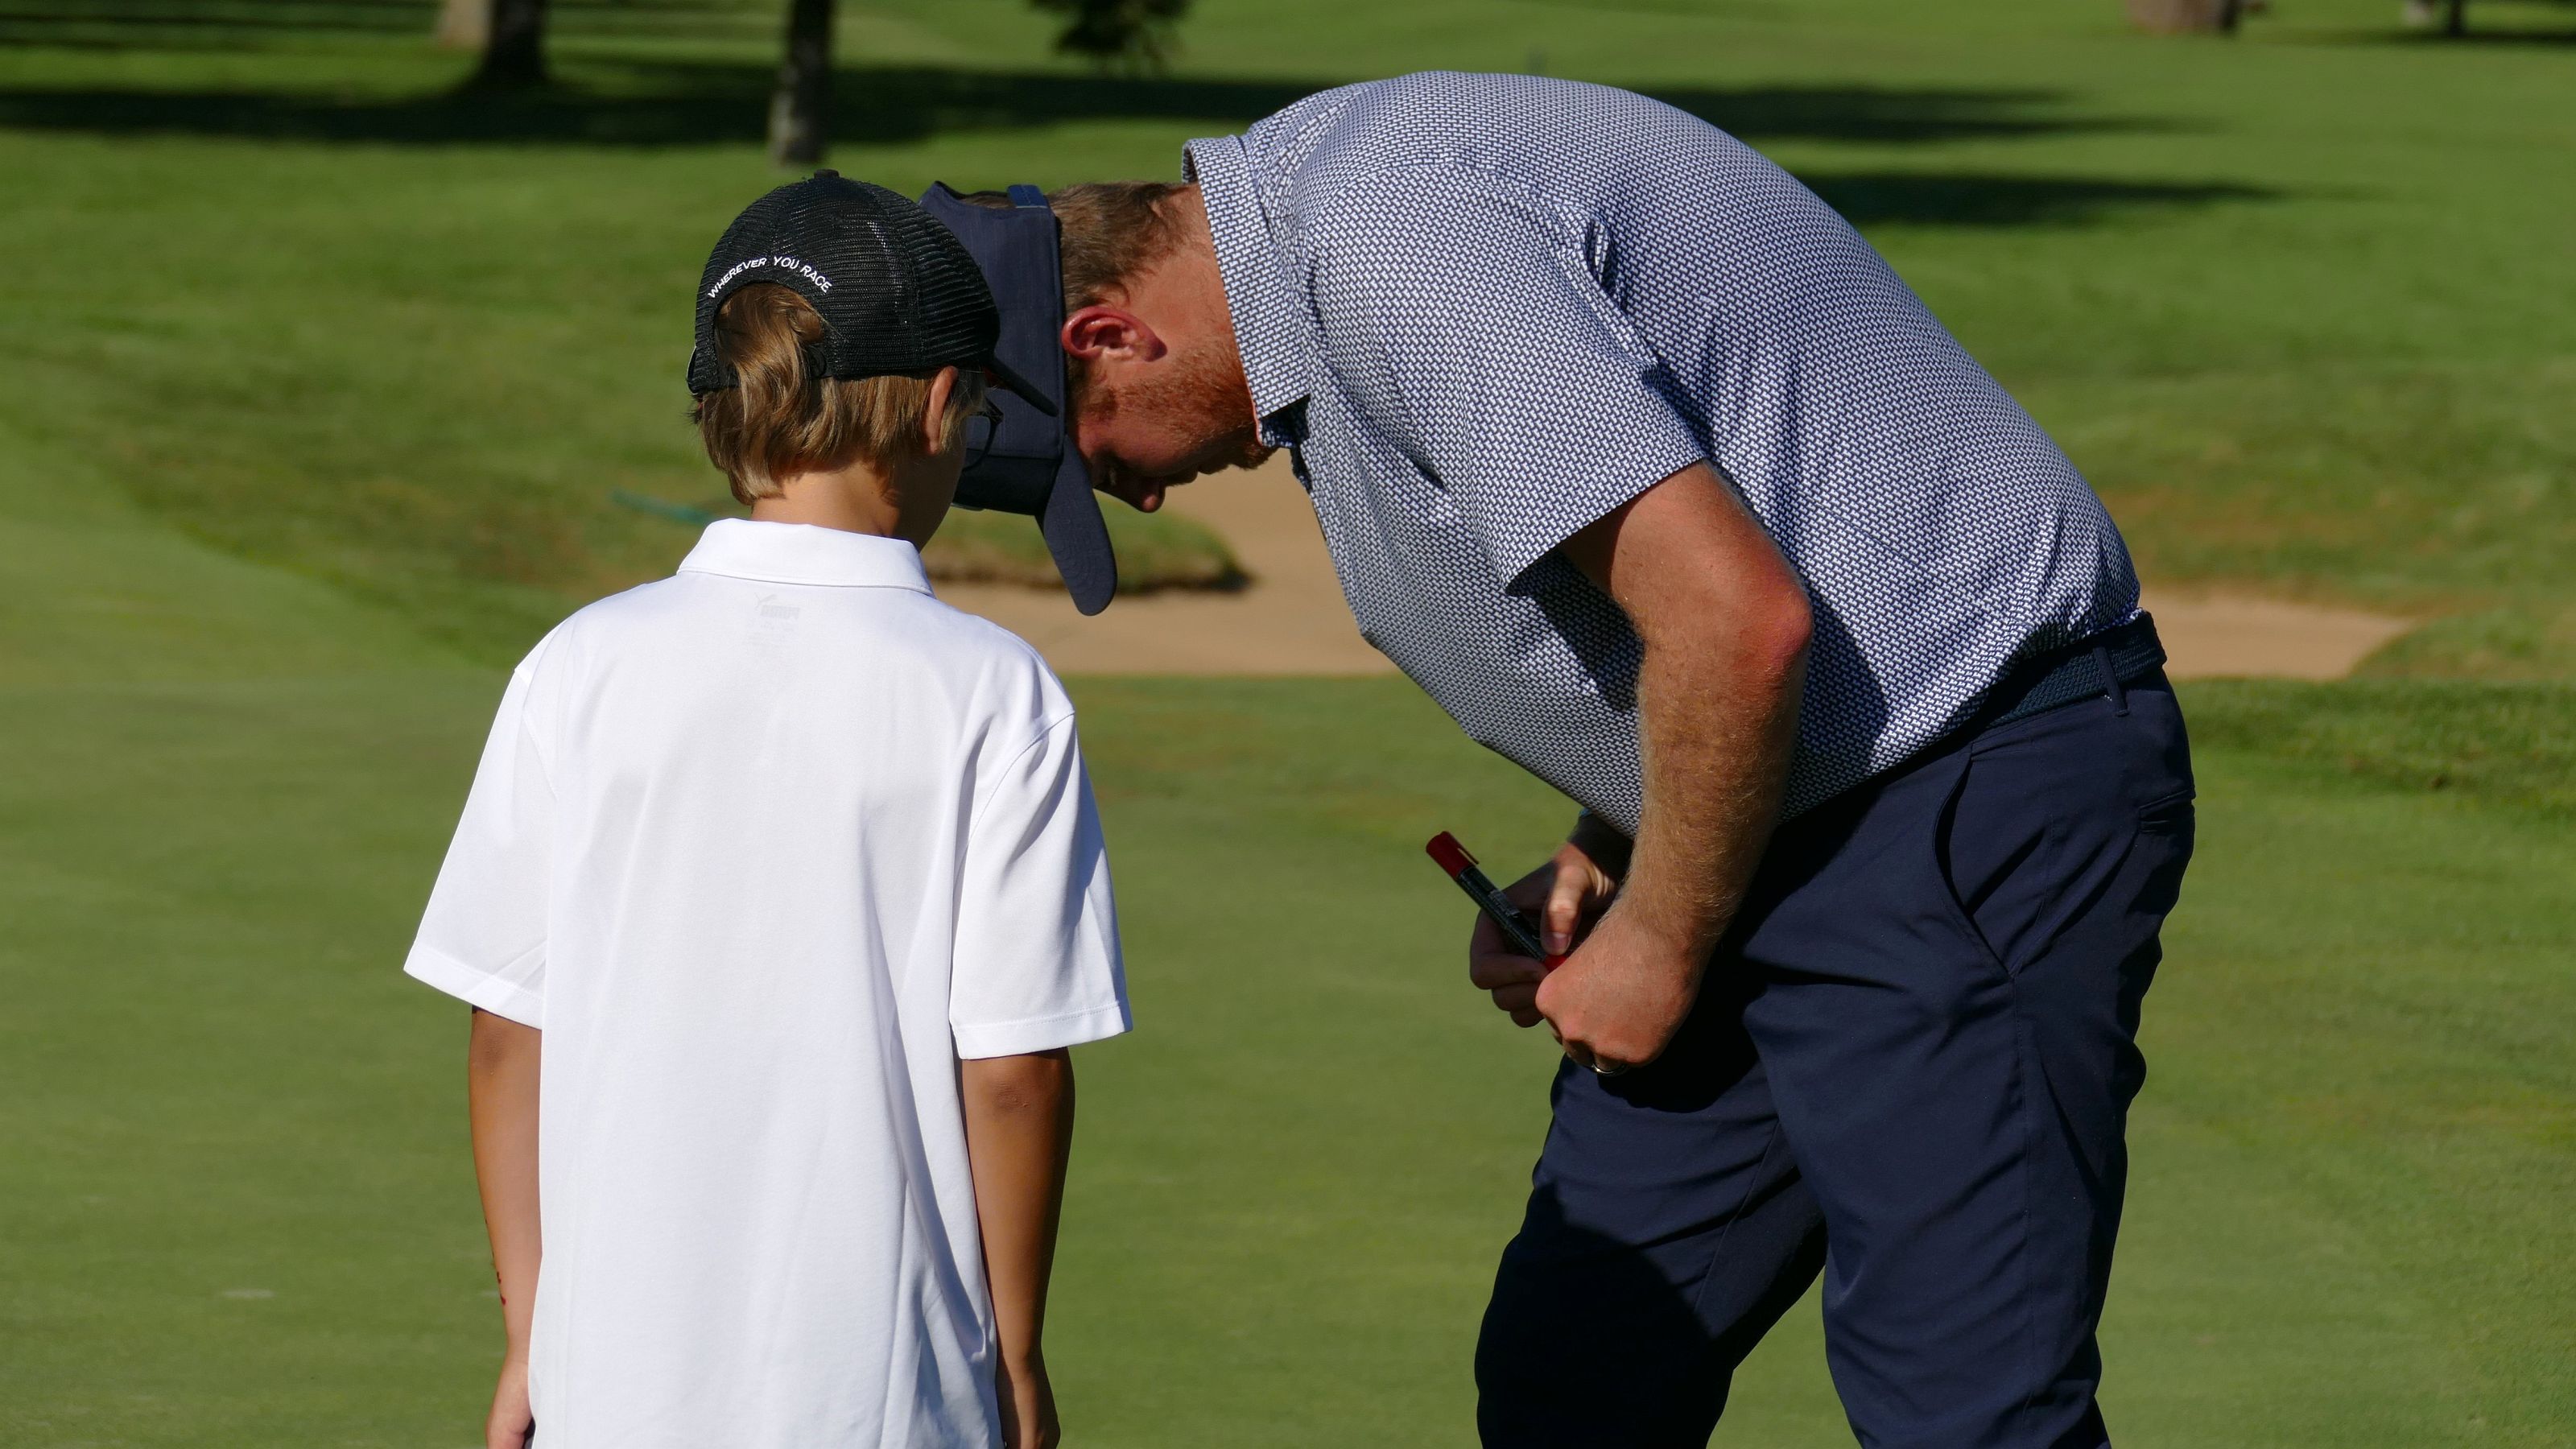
pixel 247 17
pixel 1880 198
pixel 2476 39
pixel 200 25
pixel 665 103
pixel 661 103
pixel 2482 32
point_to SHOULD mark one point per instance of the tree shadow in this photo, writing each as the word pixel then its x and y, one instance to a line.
pixel 651 103
pixel 1877 198
pixel 665 103
pixel 2477 39
pixel 1890 115
pixel 179 25
pixel 200 25
pixel 2481 33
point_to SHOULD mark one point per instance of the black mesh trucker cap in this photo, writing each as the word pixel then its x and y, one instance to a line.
pixel 896 291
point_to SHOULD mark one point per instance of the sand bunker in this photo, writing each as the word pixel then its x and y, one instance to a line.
pixel 2239 636
pixel 1292 619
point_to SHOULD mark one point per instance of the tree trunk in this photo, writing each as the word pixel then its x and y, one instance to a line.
pixel 2184 17
pixel 2455 18
pixel 464 24
pixel 800 113
pixel 516 54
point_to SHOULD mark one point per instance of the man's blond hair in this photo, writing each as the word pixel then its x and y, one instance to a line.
pixel 1110 231
pixel 781 419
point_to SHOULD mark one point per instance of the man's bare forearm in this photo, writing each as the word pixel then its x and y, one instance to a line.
pixel 501 1068
pixel 1716 726
pixel 1724 622
pixel 1725 625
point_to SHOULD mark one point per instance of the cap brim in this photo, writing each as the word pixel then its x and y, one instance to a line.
pixel 1078 537
pixel 1027 391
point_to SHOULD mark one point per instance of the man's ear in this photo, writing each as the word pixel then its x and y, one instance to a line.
pixel 1099 331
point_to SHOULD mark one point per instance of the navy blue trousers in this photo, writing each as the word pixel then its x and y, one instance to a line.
pixel 1910 1068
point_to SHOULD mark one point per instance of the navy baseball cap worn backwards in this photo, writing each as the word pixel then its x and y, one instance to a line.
pixel 1028 463
pixel 899 292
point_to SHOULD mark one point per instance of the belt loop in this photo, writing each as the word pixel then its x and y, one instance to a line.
pixel 2111 685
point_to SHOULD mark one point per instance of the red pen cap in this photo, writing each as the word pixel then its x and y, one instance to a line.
pixel 1452 856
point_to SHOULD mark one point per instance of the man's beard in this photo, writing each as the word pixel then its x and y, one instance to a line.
pixel 1200 395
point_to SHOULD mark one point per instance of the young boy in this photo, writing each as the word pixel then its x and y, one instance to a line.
pixel 785 880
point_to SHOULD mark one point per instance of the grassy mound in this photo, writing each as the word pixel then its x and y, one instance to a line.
pixel 1155 551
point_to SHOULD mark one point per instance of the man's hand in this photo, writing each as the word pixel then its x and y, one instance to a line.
pixel 511 1421
pixel 1617 1002
pixel 1028 1405
pixel 1564 896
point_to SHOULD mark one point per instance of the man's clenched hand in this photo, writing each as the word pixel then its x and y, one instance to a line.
pixel 1617 1002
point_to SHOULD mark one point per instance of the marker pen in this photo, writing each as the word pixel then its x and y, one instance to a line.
pixel 1515 925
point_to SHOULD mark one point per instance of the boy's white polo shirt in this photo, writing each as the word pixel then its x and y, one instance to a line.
pixel 764 848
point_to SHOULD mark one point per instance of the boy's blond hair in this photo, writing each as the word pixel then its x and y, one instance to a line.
pixel 780 419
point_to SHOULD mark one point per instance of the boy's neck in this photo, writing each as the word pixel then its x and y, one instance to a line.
pixel 857 499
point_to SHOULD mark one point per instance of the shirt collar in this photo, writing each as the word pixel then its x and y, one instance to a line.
pixel 1257 294
pixel 800 553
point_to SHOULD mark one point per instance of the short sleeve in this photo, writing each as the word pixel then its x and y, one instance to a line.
pixel 483 938
pixel 1462 316
pixel 1037 963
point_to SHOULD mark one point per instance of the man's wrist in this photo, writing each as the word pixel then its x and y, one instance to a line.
pixel 1669 937
pixel 1670 918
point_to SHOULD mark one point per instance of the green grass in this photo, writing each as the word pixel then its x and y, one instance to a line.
pixel 2510 743
pixel 316 381
pixel 2353 1158
pixel 239 1210
pixel 2296 302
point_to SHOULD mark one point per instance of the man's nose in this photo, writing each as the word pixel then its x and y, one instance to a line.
pixel 1136 491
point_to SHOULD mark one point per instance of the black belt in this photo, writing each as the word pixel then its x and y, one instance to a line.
pixel 2093 667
